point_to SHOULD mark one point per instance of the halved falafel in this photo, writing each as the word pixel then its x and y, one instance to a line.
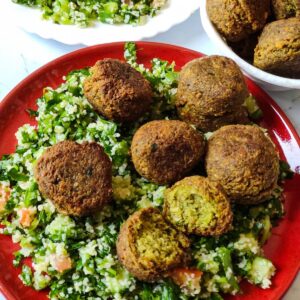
pixel 237 19
pixel 77 178
pixel 211 86
pixel 118 91
pixel 278 48
pixel 196 205
pixel 165 151
pixel 244 161
pixel 149 247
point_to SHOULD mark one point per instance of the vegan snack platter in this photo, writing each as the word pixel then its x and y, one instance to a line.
pixel 96 245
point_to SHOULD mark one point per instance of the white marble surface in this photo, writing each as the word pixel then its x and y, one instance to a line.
pixel 22 53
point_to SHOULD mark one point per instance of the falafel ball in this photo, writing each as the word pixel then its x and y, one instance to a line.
pixel 244 161
pixel 166 150
pixel 196 205
pixel 77 178
pixel 118 91
pixel 284 9
pixel 236 20
pixel 278 48
pixel 149 247
pixel 210 124
pixel 211 86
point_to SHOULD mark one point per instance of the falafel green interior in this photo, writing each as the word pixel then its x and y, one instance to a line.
pixel 89 242
pixel 188 209
pixel 157 242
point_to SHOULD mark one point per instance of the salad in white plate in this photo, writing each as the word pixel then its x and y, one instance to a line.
pixel 86 13
pixel 95 24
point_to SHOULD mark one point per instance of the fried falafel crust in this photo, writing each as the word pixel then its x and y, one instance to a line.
pixel 210 124
pixel 118 91
pixel 278 48
pixel 77 178
pixel 149 247
pixel 237 19
pixel 166 150
pixel 284 9
pixel 244 161
pixel 201 198
pixel 211 86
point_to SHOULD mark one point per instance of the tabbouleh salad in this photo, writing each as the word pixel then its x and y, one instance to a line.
pixel 88 243
pixel 84 13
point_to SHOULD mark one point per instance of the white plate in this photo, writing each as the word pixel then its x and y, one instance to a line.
pixel 267 80
pixel 30 20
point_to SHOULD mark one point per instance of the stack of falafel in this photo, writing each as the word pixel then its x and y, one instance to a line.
pixel 274 46
pixel 241 161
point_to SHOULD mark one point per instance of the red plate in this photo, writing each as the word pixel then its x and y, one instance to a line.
pixel 283 247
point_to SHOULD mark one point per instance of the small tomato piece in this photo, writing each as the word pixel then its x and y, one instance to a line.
pixel 25 215
pixel 188 279
pixel 61 263
pixel 5 192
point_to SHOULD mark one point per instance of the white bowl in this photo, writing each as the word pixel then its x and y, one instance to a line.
pixel 266 80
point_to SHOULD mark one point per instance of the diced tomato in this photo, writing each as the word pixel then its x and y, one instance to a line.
pixel 25 215
pixel 188 279
pixel 61 263
pixel 5 192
